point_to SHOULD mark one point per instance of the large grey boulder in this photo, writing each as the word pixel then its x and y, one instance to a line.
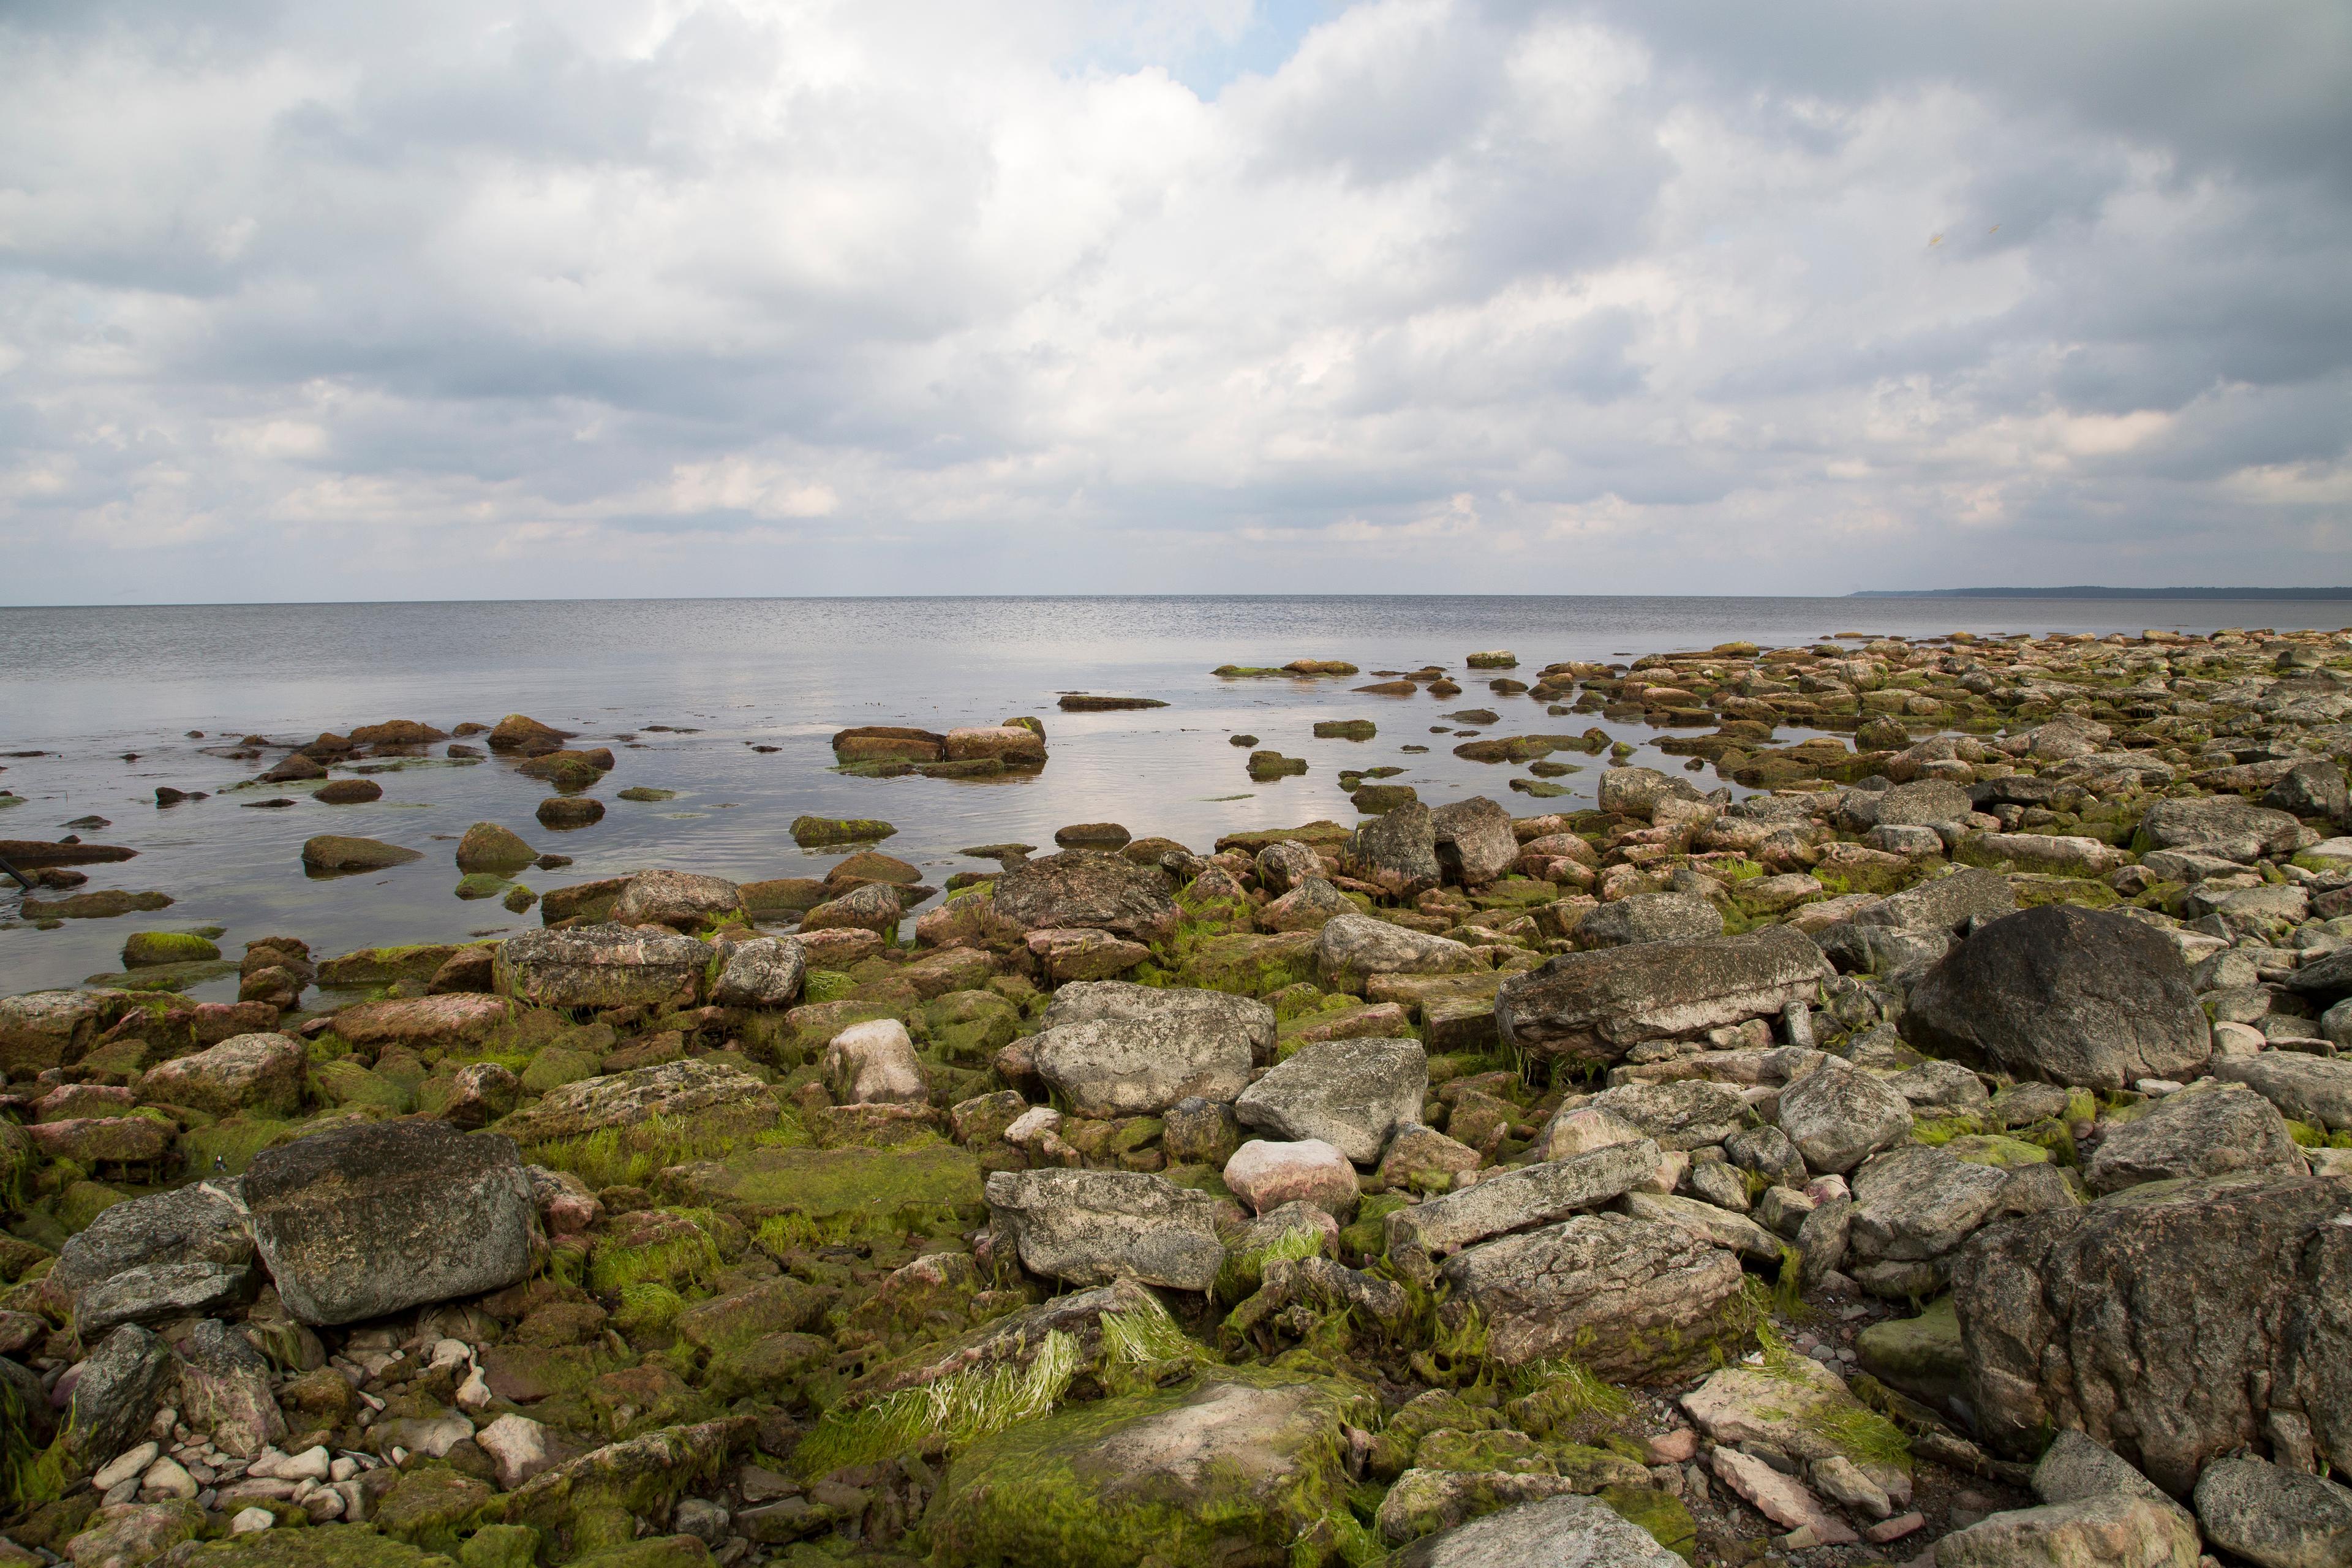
pixel 1519 1198
pixel 2274 1516
pixel 1175 1009
pixel 1916 1204
pixel 2172 1322
pixel 260 1072
pixel 1395 851
pixel 201 1223
pixel 1633 1301
pixel 1923 803
pixel 1703 1221
pixel 1473 841
pixel 1941 1089
pixel 1116 1066
pixel 2217 825
pixel 1090 1227
pixel 1351 948
pixel 1565 1531
pixel 1088 889
pixel 1688 1113
pixel 1351 1094
pixel 2067 995
pixel 359 1222
pixel 601 966
pixel 765 971
pixel 683 900
pixel 1649 917
pixel 2211 1128
pixel 1597 1005
pixel 158 1292
pixel 1838 1116
pixel 1636 792
pixel 225 1389
pixel 2314 788
pixel 2313 1090
pixel 116 1393
pixel 1283 866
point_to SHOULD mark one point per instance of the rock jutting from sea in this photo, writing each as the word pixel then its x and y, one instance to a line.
pixel 1946 1149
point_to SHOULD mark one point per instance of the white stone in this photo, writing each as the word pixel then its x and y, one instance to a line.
pixel 1032 1124
pixel 473 1395
pixel 449 1353
pixel 519 1444
pixel 125 1465
pixel 251 1521
pixel 166 1478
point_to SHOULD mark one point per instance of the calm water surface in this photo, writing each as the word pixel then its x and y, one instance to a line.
pixel 87 686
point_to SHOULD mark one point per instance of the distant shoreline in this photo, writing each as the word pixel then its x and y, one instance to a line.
pixel 2085 592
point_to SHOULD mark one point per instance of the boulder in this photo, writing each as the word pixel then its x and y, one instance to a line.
pixel 2274 1516
pixel 1173 1009
pixel 421 1023
pixel 1631 1301
pixel 1266 1175
pixel 2113 1529
pixel 1636 792
pixel 671 1091
pixel 765 971
pixel 1704 1222
pixel 1688 1113
pixel 1351 947
pixel 1081 954
pixel 874 1063
pixel 159 1292
pixel 1838 1116
pixel 870 906
pixel 246 1072
pixel 2067 995
pixel 1597 1005
pixel 1352 1094
pixel 1473 840
pixel 2211 1128
pixel 1310 906
pixel 519 731
pixel 1566 1531
pixel 1396 851
pixel 1110 1067
pixel 226 1389
pixel 1087 888
pixel 488 848
pixel 1917 1204
pixel 1229 1468
pixel 1010 744
pixel 201 1223
pixel 2172 1322
pixel 1649 917
pixel 680 899
pixel 1519 1199
pixel 1284 865
pixel 330 853
pixel 1924 802
pixel 2217 825
pixel 2316 1091
pixel 44 1029
pixel 116 1393
pixel 601 966
pixel 2311 789
pixel 361 1221
pixel 1090 1227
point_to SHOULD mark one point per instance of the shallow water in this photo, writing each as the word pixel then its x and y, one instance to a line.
pixel 88 686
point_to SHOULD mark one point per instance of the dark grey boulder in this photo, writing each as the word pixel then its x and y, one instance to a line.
pixel 2217 825
pixel 2311 789
pixel 364 1221
pixel 2173 1322
pixel 203 1223
pixel 117 1393
pixel 1396 851
pixel 1649 917
pixel 2067 995
pixel 161 1291
pixel 1472 841
pixel 225 1389
pixel 1088 889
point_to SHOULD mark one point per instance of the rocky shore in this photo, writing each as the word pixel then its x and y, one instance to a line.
pixel 1936 1149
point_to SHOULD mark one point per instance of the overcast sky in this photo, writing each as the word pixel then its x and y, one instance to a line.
pixel 460 299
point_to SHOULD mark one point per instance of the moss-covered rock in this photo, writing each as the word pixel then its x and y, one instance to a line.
pixel 320 1546
pixel 147 949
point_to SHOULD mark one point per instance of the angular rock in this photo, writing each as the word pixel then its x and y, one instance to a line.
pixel 2313 1090
pixel 1266 1175
pixel 1089 1227
pixel 45 1029
pixel 1915 1204
pixel 116 1393
pixel 765 971
pixel 422 1023
pixel 1396 851
pixel 1352 1094
pixel 225 1389
pixel 668 1089
pixel 2155 1319
pixel 1089 888
pixel 1636 792
pixel 1425 1500
pixel 1171 1009
pixel 1310 906
pixel 871 906
pixel 1649 917
pixel 1351 947
pixel 1111 1067
pixel 2210 1129
pixel 2067 995
pixel 1472 841
pixel 201 1223
pixel 1632 1302
pixel 1781 1498
pixel 488 848
pixel 1690 1113
pixel 1520 1198
pixel 2113 1529
pixel 255 1072
pixel 1704 1222
pixel 2217 825
pixel 158 1292
pixel 1596 1005
pixel 1081 954
pixel 874 1063
pixel 1839 1116
pixel 601 966
pixel 361 1221
pixel 1284 865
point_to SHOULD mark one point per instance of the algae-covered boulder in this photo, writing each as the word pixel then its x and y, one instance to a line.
pixel 671 1091
pixel 331 853
pixel 1633 1300
pixel 1234 1467
pixel 486 847
pixel 682 901
pixel 898 1186
pixel 361 1221
pixel 148 948
pixel 1110 1067
pixel 258 1072
pixel 601 966
pixel 457 1018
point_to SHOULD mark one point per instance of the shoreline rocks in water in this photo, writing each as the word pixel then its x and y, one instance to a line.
pixel 1946 1150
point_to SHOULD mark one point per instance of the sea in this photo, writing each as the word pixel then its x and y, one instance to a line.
pixel 730 703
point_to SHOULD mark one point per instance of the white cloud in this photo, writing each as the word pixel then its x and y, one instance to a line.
pixel 987 299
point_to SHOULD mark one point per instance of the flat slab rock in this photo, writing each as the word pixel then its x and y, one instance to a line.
pixel 1110 1067
pixel 1177 1009
pixel 600 967
pixel 1598 1005
pixel 1557 1532
pixel 1090 1227
pixel 624 1098
pixel 1520 1198
pixel 1352 1094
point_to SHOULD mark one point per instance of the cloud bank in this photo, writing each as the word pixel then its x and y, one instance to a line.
pixel 620 296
